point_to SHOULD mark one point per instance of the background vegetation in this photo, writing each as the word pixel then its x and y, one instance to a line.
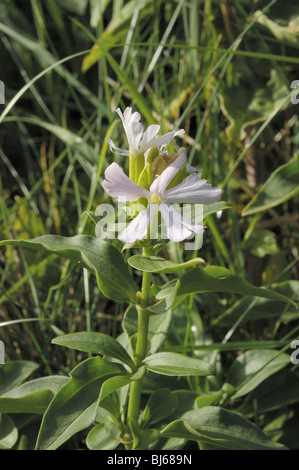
pixel 223 72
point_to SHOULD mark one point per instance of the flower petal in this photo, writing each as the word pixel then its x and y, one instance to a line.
pixel 162 140
pixel 133 128
pixel 117 150
pixel 118 184
pixel 178 227
pixel 160 184
pixel 149 136
pixel 193 190
pixel 137 229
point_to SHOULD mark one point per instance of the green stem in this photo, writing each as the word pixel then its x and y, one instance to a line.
pixel 132 167
pixel 141 344
pixel 139 166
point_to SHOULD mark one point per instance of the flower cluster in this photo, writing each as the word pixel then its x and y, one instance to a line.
pixel 161 193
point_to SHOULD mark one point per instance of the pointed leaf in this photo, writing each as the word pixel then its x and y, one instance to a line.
pixel 8 432
pixel 119 381
pixel 74 407
pixel 253 367
pixel 95 343
pixel 33 396
pixel 156 264
pixel 167 363
pixel 13 373
pixel 217 426
pixel 217 279
pixel 281 186
pixel 160 405
pixel 103 259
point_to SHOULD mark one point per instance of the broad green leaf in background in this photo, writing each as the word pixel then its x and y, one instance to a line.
pixel 95 343
pixel 262 308
pixel 280 186
pixel 33 396
pixel 167 363
pixel 74 407
pixel 156 264
pixel 160 405
pixel 102 258
pixel 278 391
pixel 253 367
pixel 218 279
pixel 8 432
pixel 261 243
pixel 13 373
pixel 220 427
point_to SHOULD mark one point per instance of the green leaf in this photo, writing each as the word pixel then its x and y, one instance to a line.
pixel 13 373
pixel 218 279
pixel 95 343
pixel 207 399
pixel 142 438
pixel 33 396
pixel 160 405
pixel 281 186
pixel 217 426
pixel 165 297
pixel 253 367
pixel 8 432
pixel 209 209
pixel 100 437
pixel 167 363
pixel 156 264
pixel 74 407
pixel 102 258
pixel 261 243
pixel 262 308
pixel 278 391
pixel 117 382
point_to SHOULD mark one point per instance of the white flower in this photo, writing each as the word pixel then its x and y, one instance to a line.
pixel 192 190
pixel 139 141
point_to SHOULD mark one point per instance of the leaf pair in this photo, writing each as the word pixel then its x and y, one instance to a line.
pixel 115 281
pixel 165 363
